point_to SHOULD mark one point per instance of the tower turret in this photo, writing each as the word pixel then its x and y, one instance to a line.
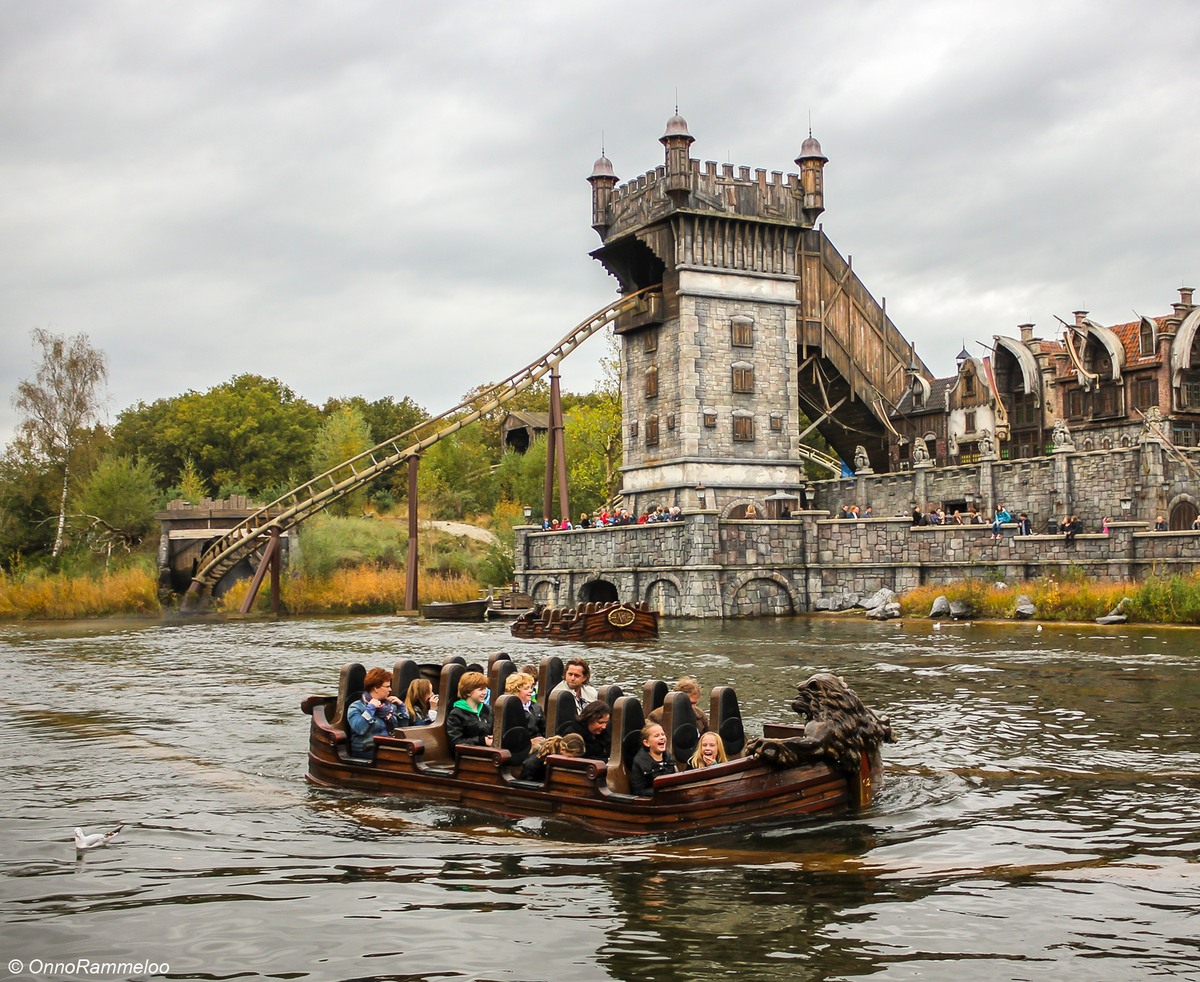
pixel 678 140
pixel 812 178
pixel 603 180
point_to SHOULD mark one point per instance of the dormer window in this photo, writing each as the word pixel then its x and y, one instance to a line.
pixel 1146 339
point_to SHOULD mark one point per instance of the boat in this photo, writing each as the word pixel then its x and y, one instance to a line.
pixel 589 622
pixel 828 764
pixel 462 610
pixel 509 602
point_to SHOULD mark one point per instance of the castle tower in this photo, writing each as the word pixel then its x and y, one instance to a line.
pixel 812 178
pixel 678 141
pixel 751 302
pixel 603 180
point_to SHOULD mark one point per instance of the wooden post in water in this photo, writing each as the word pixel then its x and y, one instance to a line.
pixel 410 579
pixel 276 566
pixel 270 560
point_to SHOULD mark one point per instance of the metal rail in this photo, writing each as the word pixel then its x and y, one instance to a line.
pixel 323 490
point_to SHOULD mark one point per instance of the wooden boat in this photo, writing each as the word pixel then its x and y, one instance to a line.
pixel 589 622
pixel 828 765
pixel 463 610
pixel 509 602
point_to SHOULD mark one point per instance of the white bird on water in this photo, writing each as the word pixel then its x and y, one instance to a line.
pixel 937 625
pixel 84 840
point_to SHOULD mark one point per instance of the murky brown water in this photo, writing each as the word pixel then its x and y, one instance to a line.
pixel 1040 820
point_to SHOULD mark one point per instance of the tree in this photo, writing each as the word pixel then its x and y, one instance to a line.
pixel 117 504
pixel 59 404
pixel 343 435
pixel 250 432
pixel 593 437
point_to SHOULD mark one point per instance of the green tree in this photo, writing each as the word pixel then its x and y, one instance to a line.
pixel 250 432
pixel 116 506
pixel 58 405
pixel 343 435
pixel 521 477
pixel 593 437
pixel 191 487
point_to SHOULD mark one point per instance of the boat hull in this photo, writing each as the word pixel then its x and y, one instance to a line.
pixel 465 610
pixel 744 791
pixel 611 622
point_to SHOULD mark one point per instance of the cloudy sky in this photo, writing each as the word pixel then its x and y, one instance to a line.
pixel 389 198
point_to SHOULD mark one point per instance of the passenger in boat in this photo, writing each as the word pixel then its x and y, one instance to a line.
pixel 375 713
pixel 653 759
pixel 689 686
pixel 534 768
pixel 592 726
pixel 576 676
pixel 711 750
pixel 421 703
pixel 469 720
pixel 521 685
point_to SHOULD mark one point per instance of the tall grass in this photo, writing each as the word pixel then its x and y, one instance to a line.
pixel 1171 600
pixel 361 590
pixel 56 596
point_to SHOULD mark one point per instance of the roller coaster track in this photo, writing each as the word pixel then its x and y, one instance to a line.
pixel 254 532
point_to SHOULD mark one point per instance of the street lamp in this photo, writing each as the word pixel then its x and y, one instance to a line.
pixel 528 514
pixel 810 497
pixel 1126 503
pixel 700 496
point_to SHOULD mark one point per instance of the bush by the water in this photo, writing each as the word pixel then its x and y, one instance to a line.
pixel 1164 600
pixel 38 594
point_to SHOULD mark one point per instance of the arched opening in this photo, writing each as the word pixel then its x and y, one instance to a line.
pixel 1182 516
pixel 598 591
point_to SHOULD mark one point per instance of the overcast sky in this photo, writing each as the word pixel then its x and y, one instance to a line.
pixel 389 198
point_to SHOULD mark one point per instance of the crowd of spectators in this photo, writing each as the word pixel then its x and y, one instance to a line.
pixel 618 516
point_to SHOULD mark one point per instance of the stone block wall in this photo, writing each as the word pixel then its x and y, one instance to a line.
pixel 708 567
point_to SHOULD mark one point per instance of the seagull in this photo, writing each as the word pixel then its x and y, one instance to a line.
pixel 937 625
pixel 1039 629
pixel 91 841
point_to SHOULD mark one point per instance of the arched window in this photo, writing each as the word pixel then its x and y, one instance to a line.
pixel 651 382
pixel 1146 339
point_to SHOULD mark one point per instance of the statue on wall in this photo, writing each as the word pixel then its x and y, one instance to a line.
pixel 1152 420
pixel 920 452
pixel 987 446
pixel 952 445
pixel 862 462
pixel 1061 436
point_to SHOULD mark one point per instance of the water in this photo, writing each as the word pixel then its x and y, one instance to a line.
pixel 1039 820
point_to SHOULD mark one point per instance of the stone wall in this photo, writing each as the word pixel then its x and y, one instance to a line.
pixel 706 566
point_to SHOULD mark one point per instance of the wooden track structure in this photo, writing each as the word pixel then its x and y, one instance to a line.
pixel 258 531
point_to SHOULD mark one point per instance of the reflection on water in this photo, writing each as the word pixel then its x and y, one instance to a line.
pixel 1039 819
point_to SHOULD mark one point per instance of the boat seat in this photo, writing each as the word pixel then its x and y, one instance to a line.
pixel 626 731
pixel 679 723
pixel 404 673
pixel 433 736
pixel 555 615
pixel 560 710
pixel 550 673
pixel 726 718
pixel 654 693
pixel 350 687
pixel 609 693
pixel 547 615
pixel 496 656
pixel 498 674
pixel 508 728
pixel 454 660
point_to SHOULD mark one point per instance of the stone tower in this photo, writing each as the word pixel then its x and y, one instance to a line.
pixel 709 379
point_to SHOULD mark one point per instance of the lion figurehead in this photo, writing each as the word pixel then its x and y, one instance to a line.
pixel 840 729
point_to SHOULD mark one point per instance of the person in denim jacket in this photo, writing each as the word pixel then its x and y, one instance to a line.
pixel 376 712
